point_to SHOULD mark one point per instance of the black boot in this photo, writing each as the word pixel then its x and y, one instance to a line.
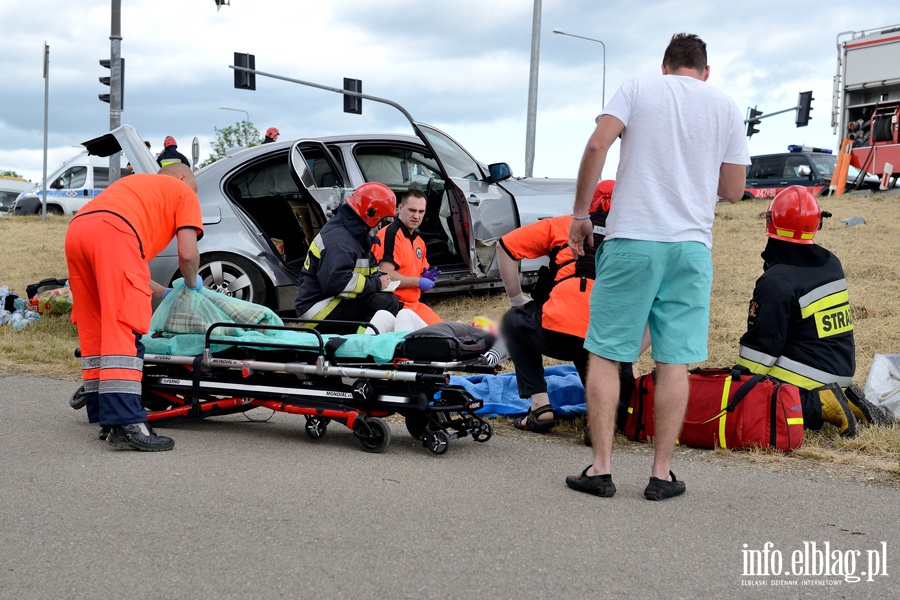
pixel 132 436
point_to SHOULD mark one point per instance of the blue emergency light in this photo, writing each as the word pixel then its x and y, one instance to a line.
pixel 796 148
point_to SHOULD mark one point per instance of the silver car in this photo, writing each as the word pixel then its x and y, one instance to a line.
pixel 262 206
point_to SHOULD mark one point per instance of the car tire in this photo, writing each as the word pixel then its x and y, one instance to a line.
pixel 52 210
pixel 233 276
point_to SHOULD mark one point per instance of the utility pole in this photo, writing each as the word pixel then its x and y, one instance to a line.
pixel 531 119
pixel 46 127
pixel 115 83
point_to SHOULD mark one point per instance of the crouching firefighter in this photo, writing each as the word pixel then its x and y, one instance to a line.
pixel 554 322
pixel 340 280
pixel 800 324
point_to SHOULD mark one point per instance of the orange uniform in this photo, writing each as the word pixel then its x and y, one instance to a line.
pixel 406 251
pixel 567 310
pixel 108 246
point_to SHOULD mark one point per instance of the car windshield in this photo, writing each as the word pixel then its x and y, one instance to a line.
pixel 455 160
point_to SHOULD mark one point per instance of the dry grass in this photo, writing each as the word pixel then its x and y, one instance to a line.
pixel 33 250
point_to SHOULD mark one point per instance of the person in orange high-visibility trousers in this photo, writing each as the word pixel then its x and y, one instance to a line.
pixel 108 246
pixel 400 253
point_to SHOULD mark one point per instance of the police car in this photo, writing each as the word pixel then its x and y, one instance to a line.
pixel 800 165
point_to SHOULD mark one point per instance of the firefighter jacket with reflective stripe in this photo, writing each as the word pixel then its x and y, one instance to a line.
pixel 339 265
pixel 404 249
pixel 799 326
pixel 171 155
pixel 567 309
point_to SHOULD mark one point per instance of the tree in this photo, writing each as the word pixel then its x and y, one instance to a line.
pixel 242 134
pixel 9 173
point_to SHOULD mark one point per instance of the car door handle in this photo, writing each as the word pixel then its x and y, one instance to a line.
pixel 783 183
pixel 474 200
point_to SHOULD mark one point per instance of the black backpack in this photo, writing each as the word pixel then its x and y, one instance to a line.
pixel 584 265
pixel 51 283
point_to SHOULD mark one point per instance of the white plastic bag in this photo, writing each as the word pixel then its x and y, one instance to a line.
pixel 883 383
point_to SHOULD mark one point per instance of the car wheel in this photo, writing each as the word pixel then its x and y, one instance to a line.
pixel 53 210
pixel 233 276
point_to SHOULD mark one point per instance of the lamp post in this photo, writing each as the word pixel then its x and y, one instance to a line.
pixel 246 140
pixel 561 32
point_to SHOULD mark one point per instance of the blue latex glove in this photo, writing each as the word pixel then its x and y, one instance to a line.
pixel 166 292
pixel 425 284
pixel 198 286
pixel 431 273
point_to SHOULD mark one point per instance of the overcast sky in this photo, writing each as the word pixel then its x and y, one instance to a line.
pixel 461 65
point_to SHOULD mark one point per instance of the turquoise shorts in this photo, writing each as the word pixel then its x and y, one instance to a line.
pixel 663 284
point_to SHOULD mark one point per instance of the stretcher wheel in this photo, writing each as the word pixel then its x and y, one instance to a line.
pixel 373 433
pixel 316 427
pixel 78 399
pixel 416 425
pixel 438 442
pixel 483 433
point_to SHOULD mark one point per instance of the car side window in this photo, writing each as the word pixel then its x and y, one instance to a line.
pixel 792 165
pixel 322 170
pixel 397 167
pixel 73 178
pixel 101 177
pixel 767 167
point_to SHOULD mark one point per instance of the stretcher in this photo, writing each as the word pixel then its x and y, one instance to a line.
pixel 353 380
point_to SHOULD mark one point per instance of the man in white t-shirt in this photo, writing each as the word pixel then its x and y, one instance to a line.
pixel 682 149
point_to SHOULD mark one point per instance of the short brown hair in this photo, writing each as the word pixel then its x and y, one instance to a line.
pixel 411 194
pixel 685 50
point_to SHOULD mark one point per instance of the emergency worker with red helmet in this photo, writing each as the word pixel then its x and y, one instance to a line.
pixel 272 134
pixel 340 279
pixel 800 324
pixel 170 154
pixel 554 322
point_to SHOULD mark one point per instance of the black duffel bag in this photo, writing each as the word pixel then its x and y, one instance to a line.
pixel 446 341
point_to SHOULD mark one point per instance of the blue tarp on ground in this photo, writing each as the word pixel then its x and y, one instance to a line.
pixel 501 396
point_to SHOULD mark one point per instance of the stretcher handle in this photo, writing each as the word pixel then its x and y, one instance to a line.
pixel 319 338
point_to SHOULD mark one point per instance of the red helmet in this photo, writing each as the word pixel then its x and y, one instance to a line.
pixel 602 195
pixel 794 216
pixel 169 141
pixel 271 132
pixel 373 202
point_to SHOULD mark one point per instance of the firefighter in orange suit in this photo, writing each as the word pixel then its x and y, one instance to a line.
pixel 400 253
pixel 108 246
pixel 555 321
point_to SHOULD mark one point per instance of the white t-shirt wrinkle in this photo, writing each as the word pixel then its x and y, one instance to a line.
pixel 678 132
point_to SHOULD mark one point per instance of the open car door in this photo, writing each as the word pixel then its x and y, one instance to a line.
pixel 486 211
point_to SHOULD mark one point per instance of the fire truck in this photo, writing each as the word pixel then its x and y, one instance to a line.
pixel 866 103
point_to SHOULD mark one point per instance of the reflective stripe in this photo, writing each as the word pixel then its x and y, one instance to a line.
pixel 119 386
pixel 91 385
pixel 121 362
pixel 766 360
pixel 316 247
pixel 725 389
pixel 322 314
pixel 807 236
pixel 315 309
pixel 755 368
pixel 169 161
pixel 821 297
pixel 363 266
pixel 834 321
pixel 795 420
pixel 90 362
pixel 784 233
pixel 804 376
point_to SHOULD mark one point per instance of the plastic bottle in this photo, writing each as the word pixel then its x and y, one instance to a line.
pixel 4 316
pixel 20 304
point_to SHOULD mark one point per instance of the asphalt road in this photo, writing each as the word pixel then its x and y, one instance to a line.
pixel 259 510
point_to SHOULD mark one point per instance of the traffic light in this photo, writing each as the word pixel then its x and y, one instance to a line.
pixel 752 121
pixel 352 104
pixel 804 106
pixel 221 3
pixel 105 62
pixel 242 79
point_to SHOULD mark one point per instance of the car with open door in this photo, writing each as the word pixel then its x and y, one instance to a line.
pixel 262 206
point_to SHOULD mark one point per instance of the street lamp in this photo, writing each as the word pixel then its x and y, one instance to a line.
pixel 561 32
pixel 236 110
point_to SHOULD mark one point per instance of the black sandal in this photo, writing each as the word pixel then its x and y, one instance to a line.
pixel 530 421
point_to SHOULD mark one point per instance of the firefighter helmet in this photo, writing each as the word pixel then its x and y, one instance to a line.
pixel 272 132
pixel 602 196
pixel 373 202
pixel 794 216
pixel 169 141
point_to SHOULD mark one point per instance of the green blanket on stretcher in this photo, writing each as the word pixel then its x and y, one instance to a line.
pixel 180 322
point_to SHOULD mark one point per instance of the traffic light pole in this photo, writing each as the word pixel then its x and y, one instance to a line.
pixel 115 83
pixel 330 89
pixel 772 114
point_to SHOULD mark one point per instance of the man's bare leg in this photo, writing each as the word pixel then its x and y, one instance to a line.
pixel 602 393
pixel 670 403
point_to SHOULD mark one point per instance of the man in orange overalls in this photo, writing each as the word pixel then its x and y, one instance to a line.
pixel 108 247
pixel 400 253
